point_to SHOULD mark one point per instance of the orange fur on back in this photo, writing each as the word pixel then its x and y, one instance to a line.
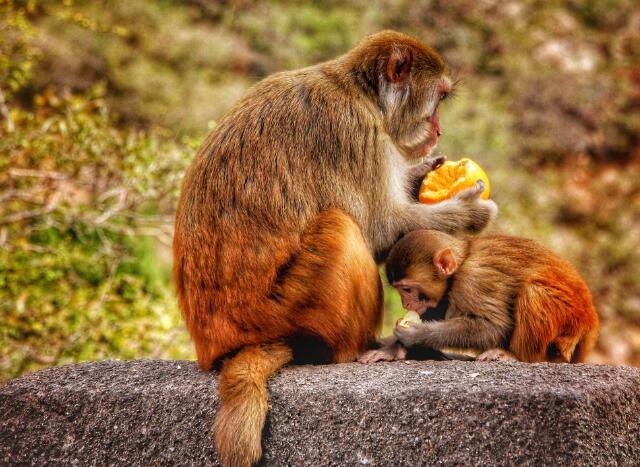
pixel 555 319
pixel 553 314
pixel 328 288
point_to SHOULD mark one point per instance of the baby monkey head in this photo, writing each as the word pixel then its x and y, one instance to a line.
pixel 418 267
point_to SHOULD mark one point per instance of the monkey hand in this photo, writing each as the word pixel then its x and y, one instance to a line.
pixel 427 165
pixel 411 334
pixel 477 213
pixel 419 171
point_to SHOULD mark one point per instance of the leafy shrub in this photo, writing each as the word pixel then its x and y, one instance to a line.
pixel 83 205
pixel 83 208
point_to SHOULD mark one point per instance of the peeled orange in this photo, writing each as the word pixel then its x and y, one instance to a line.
pixel 450 178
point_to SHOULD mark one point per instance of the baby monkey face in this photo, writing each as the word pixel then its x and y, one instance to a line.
pixel 420 291
pixel 419 267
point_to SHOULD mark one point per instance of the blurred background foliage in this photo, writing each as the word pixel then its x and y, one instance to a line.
pixel 103 104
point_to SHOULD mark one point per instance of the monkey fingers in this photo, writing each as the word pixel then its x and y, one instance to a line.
pixel 384 354
pixel 419 171
pixel 496 355
pixel 435 162
pixel 473 193
pixel 377 355
pixel 410 335
pixel 426 166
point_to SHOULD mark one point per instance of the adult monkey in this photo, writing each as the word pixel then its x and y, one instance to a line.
pixel 289 200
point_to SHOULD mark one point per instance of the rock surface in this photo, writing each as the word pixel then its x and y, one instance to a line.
pixel 416 413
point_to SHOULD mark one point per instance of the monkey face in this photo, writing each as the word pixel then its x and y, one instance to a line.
pixel 413 297
pixel 421 130
pixel 421 289
pixel 411 99
pixel 407 79
pixel 419 267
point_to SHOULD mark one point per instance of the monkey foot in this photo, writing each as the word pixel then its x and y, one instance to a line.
pixel 384 354
pixel 496 355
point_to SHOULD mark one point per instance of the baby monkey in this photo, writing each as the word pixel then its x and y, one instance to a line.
pixel 507 297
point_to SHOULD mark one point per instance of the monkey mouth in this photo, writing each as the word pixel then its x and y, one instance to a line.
pixel 425 305
pixel 422 305
pixel 432 133
pixel 425 151
pixel 414 297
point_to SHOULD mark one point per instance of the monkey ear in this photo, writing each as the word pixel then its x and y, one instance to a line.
pixel 399 66
pixel 445 262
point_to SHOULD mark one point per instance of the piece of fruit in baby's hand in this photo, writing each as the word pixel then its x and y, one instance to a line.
pixel 408 318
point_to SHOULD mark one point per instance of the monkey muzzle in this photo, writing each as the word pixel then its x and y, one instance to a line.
pixel 433 133
pixel 414 298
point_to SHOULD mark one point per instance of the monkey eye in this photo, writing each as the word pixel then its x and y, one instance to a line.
pixel 407 289
pixel 444 95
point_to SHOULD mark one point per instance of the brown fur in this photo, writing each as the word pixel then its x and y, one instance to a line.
pixel 506 292
pixel 286 204
pixel 244 400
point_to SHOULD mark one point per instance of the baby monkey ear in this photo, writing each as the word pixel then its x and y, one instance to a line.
pixel 399 66
pixel 445 262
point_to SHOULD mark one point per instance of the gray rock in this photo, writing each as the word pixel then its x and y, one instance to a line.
pixel 416 413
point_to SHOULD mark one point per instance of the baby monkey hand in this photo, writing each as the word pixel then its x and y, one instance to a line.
pixel 410 334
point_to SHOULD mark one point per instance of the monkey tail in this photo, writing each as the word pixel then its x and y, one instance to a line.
pixel 244 401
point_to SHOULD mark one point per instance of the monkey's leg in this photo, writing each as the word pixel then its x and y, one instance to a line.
pixel 425 353
pixel 534 326
pixel 562 348
pixel 584 346
pixel 334 287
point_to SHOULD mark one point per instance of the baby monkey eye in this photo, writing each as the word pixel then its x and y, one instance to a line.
pixel 444 95
pixel 406 289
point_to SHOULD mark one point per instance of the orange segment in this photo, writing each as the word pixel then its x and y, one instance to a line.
pixel 408 318
pixel 450 178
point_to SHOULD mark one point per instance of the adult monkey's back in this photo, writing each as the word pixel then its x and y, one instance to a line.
pixel 291 197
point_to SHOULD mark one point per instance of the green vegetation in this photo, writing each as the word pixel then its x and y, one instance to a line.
pixel 103 103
